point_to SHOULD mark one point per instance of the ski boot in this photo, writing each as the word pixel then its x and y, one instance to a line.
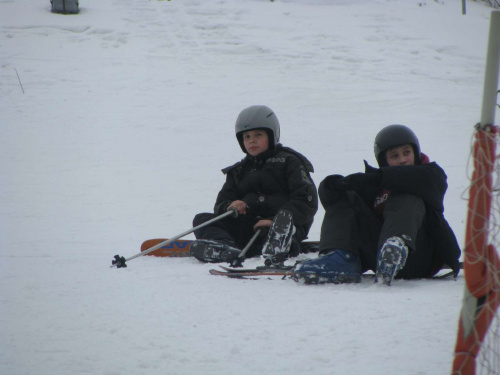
pixel 337 267
pixel 211 251
pixel 279 240
pixel 391 258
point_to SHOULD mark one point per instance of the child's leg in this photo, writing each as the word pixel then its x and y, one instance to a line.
pixel 216 242
pixel 404 215
pixel 349 224
pixel 218 231
pixel 235 232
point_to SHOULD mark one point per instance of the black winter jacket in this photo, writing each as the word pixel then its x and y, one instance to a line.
pixel 427 181
pixel 278 179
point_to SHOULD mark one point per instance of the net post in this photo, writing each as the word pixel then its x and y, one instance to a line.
pixel 491 72
pixel 481 261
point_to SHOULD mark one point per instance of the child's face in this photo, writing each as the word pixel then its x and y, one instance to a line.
pixel 400 155
pixel 255 141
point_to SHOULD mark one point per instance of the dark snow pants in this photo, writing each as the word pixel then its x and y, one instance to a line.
pixel 237 232
pixel 349 224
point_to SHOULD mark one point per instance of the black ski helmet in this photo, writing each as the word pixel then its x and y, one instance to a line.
pixel 392 136
pixel 258 117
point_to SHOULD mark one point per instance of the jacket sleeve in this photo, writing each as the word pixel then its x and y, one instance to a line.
pixel 426 181
pixel 226 195
pixel 303 202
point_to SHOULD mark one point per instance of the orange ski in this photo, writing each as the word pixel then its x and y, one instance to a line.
pixel 179 248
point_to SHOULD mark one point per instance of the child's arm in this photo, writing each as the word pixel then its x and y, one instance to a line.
pixel 226 196
pixel 303 202
pixel 425 181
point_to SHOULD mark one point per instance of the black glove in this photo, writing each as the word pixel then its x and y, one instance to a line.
pixel 329 191
pixel 358 181
pixel 332 182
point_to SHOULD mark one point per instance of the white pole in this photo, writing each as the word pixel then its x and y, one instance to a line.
pixel 491 72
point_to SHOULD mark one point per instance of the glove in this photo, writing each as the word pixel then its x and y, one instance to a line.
pixel 332 182
pixel 329 191
pixel 358 181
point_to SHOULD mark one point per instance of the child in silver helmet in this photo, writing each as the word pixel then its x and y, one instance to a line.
pixel 270 185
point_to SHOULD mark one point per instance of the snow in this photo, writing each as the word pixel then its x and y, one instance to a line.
pixel 126 119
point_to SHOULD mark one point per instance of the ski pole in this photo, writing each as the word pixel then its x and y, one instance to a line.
pixel 120 262
pixel 238 262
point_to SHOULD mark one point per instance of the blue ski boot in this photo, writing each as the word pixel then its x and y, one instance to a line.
pixel 391 259
pixel 337 267
pixel 211 251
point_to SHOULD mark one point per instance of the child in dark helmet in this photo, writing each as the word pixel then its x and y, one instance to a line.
pixel 388 220
pixel 271 189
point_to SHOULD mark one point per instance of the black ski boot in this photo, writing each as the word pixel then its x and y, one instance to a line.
pixel 391 258
pixel 279 239
pixel 211 251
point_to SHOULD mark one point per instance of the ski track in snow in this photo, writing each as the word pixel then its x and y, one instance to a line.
pixel 127 118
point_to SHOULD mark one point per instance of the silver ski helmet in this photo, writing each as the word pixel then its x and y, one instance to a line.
pixel 392 136
pixel 258 117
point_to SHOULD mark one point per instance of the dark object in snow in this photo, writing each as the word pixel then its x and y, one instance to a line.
pixel 119 262
pixel 65 6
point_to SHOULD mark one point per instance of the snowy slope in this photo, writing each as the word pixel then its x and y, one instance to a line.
pixel 116 131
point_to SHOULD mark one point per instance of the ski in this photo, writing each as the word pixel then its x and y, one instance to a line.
pixel 252 273
pixel 180 248
pixel 257 269
pixel 284 272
